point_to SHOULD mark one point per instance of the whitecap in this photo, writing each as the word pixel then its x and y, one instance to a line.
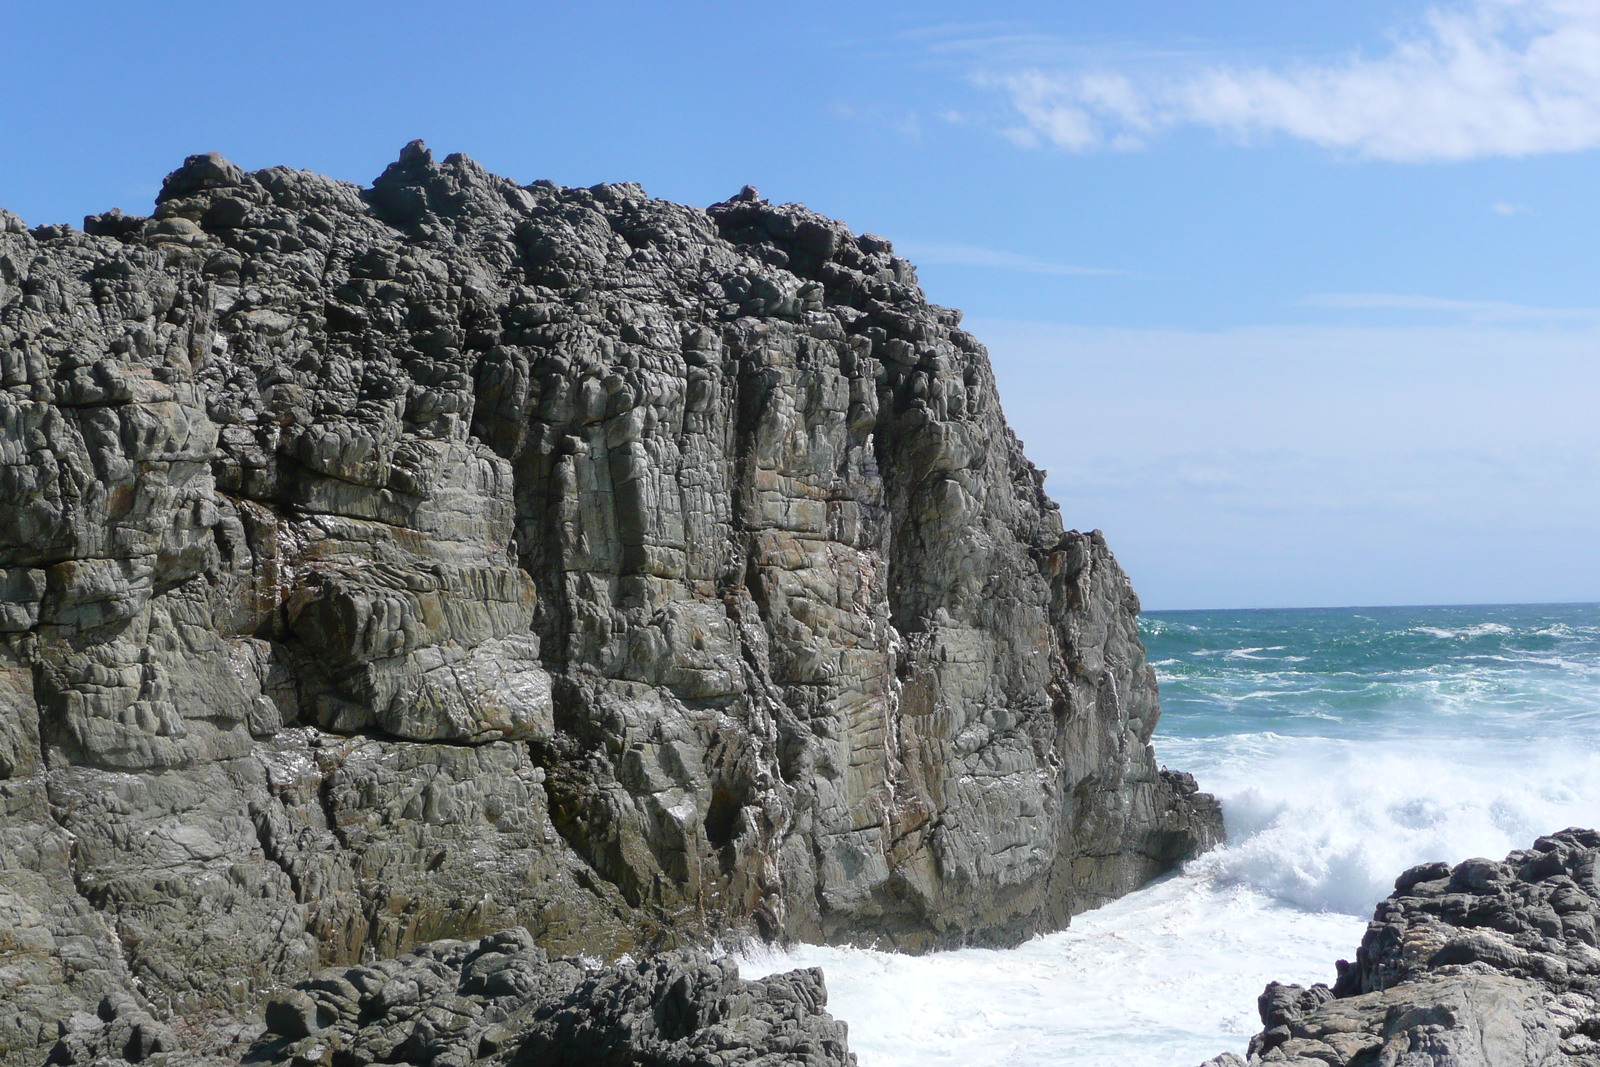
pixel 1482 629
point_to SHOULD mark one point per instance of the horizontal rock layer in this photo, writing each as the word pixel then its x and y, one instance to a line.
pixel 390 564
pixel 1485 964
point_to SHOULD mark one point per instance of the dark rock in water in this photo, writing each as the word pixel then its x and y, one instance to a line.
pixel 393 564
pixel 1485 964
pixel 1281 1004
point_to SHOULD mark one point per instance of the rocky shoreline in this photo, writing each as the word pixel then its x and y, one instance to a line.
pixel 499 1000
pixel 1484 964
pixel 388 565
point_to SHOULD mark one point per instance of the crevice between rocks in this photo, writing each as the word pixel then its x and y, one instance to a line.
pixel 270 850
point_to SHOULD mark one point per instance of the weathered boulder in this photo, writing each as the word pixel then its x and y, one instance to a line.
pixel 1485 964
pixel 391 564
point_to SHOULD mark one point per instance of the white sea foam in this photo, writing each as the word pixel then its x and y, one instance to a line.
pixel 1250 653
pixel 1482 629
pixel 1166 976
pixel 1327 824
pixel 1561 629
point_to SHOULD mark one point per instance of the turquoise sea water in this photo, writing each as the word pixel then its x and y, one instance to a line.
pixel 1345 745
pixel 1398 672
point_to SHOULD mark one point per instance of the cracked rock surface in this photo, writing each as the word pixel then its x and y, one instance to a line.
pixel 381 565
pixel 1485 964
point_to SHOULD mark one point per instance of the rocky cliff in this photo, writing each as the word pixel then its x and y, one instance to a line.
pixel 1484 964
pixel 387 564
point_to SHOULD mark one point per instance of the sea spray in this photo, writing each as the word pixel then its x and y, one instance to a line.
pixel 1326 824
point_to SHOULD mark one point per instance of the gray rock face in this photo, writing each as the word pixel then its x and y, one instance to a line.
pixel 392 564
pixel 1487 964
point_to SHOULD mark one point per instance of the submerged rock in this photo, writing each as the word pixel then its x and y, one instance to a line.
pixel 1485 964
pixel 392 564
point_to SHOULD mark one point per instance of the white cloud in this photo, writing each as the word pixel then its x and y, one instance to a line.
pixel 958 255
pixel 1484 78
pixel 1505 208
pixel 1473 310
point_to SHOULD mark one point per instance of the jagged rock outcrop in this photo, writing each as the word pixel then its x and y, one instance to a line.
pixel 391 564
pixel 1486 964
pixel 501 1000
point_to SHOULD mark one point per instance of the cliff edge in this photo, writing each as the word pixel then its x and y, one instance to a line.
pixel 380 565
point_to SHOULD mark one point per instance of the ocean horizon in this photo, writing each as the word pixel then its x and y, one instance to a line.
pixel 1380 607
pixel 1345 744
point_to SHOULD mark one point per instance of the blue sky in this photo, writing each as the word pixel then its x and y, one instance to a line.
pixel 1297 302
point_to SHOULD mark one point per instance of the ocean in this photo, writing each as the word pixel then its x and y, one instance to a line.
pixel 1345 744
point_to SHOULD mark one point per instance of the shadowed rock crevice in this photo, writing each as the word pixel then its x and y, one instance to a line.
pixel 392 564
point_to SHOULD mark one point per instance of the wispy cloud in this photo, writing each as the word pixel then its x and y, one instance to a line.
pixel 1474 310
pixel 907 124
pixel 958 255
pixel 1475 79
pixel 1505 208
pixel 1017 44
